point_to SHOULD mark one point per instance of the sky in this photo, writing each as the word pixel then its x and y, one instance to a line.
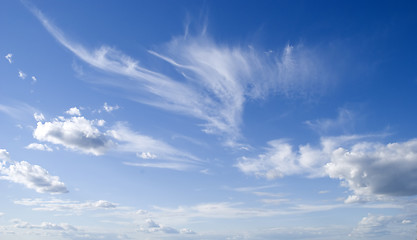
pixel 208 119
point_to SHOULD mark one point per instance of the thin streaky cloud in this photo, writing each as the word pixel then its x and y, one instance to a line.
pixel 218 78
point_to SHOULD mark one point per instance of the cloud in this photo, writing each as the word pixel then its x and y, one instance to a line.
pixel 9 57
pixel 4 155
pixel 65 205
pixel 343 122
pixel 147 155
pixel 83 135
pixel 214 80
pixel 34 79
pixel 76 133
pixel 371 170
pixel 44 226
pixel 152 227
pixel 21 75
pixel 73 111
pixel 31 176
pixel 108 108
pixel 39 117
pixel 18 110
pixel 38 146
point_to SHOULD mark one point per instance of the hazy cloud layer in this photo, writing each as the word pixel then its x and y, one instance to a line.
pixel 371 170
pixel 65 205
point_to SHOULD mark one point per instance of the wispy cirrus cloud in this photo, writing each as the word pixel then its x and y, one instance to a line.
pixel 214 80
pixel 65 205
pixel 31 176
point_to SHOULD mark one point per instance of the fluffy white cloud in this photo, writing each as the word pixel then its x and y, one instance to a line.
pixel 376 169
pixel 21 75
pixel 371 170
pixel 65 205
pixel 80 134
pixel 108 108
pixel 4 155
pixel 74 111
pixel 38 146
pixel 39 117
pixel 214 81
pixel 75 133
pixel 31 176
pixel 9 57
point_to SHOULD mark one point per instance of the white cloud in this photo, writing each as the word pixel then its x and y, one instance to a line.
pixel 38 146
pixel 34 79
pixel 31 176
pixel 4 155
pixel 152 227
pixel 108 108
pixel 65 205
pixel 39 117
pixel 146 155
pixel 76 133
pixel 21 75
pixel 73 111
pixel 373 226
pixel 80 134
pixel 9 57
pixel 44 226
pixel 371 170
pixel 214 82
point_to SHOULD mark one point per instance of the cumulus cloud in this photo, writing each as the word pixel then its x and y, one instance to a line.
pixel 109 108
pixel 76 133
pixel 65 205
pixel 151 226
pixel 21 75
pixel 31 176
pixel 86 136
pixel 73 111
pixel 371 170
pixel 38 146
pixel 214 80
pixel 9 57
pixel 4 155
pixel 39 117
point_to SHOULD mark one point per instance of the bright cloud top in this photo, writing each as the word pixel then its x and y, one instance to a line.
pixel 87 136
pixel 31 176
pixel 214 81
pixel 371 170
pixel 9 57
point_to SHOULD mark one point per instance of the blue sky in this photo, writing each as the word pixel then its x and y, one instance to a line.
pixel 208 120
